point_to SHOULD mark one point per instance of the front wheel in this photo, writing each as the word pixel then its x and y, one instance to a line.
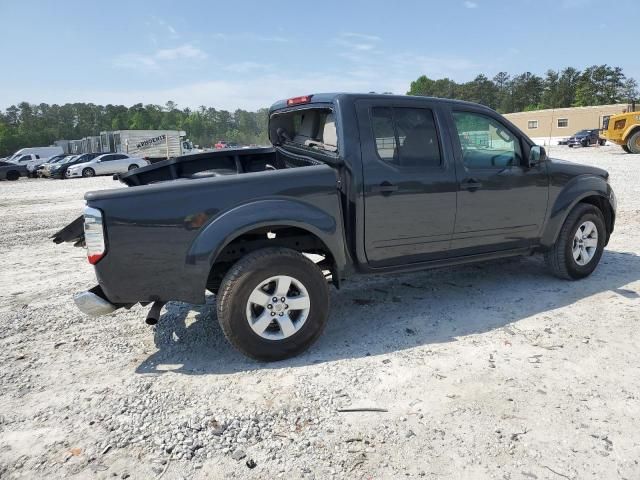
pixel 88 172
pixel 273 304
pixel 133 166
pixel 579 245
pixel 13 175
pixel 626 149
pixel 633 143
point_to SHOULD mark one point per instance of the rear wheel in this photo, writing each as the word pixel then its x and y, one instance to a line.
pixel 602 142
pixel 273 304
pixel 579 245
pixel 88 172
pixel 13 175
pixel 133 167
pixel 626 149
pixel 633 143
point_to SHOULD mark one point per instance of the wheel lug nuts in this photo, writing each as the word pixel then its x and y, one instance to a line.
pixel 281 314
pixel 286 306
pixel 269 306
pixel 275 299
pixel 273 314
pixel 283 299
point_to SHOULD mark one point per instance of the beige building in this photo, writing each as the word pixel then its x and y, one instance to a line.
pixel 546 127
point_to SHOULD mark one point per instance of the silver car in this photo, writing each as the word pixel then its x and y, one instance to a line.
pixel 106 164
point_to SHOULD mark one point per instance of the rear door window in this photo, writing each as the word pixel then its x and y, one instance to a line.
pixel 406 137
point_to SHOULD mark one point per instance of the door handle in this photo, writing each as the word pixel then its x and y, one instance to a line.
pixel 470 184
pixel 385 188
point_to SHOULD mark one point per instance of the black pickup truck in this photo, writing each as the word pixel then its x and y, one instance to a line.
pixel 353 184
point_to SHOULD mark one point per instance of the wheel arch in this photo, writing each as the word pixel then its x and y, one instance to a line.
pixel 244 229
pixel 597 193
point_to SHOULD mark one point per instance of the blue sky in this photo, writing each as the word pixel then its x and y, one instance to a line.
pixel 242 54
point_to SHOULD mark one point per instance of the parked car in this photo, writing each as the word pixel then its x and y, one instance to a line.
pixel 105 164
pixel 584 138
pixel 12 171
pixel 27 159
pixel 37 170
pixel 44 170
pixel 361 183
pixel 59 170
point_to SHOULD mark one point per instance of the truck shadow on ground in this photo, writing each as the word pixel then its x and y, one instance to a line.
pixel 383 314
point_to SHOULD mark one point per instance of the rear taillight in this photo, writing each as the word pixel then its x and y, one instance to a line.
pixel 94 234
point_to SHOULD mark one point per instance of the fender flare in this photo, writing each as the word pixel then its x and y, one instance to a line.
pixel 239 220
pixel 573 193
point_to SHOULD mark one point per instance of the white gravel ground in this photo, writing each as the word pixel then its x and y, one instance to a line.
pixel 495 370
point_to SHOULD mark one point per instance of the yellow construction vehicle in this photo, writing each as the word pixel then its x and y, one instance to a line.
pixel 624 130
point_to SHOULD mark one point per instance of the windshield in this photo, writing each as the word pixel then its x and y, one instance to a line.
pixel 582 133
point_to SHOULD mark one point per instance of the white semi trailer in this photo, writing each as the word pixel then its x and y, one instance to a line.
pixel 148 144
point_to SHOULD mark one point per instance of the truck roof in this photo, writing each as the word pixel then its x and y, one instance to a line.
pixel 332 97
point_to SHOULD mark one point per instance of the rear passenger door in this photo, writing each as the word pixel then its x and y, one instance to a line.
pixel 408 179
pixel 121 163
pixel 104 165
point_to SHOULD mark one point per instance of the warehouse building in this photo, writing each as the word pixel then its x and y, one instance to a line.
pixel 547 127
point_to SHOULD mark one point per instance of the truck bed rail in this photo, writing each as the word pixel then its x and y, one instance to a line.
pixel 215 163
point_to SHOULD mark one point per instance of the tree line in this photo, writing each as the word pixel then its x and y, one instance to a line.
pixel 595 85
pixel 25 124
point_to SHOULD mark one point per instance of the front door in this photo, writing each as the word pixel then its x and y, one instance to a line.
pixel 502 202
pixel 409 181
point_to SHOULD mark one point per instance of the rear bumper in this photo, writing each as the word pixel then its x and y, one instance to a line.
pixel 93 303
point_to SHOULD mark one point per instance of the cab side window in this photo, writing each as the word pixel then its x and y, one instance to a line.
pixel 485 142
pixel 406 137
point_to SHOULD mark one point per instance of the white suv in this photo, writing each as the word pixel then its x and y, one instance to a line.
pixel 106 164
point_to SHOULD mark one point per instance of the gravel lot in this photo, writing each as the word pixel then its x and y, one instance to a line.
pixel 495 370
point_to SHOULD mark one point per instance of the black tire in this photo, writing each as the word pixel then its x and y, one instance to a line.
pixel 626 149
pixel 133 167
pixel 88 172
pixel 602 142
pixel 247 274
pixel 584 143
pixel 13 175
pixel 633 142
pixel 560 258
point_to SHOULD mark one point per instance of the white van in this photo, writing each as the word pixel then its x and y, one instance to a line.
pixel 34 156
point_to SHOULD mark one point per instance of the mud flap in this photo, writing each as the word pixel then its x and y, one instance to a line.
pixel 74 232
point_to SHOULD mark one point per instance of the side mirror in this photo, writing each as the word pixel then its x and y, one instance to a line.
pixel 537 155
